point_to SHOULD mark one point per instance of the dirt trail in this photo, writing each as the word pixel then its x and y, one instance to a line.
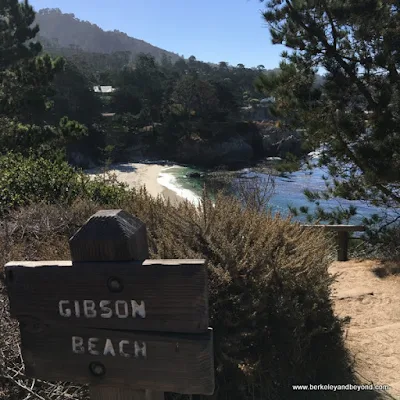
pixel 373 334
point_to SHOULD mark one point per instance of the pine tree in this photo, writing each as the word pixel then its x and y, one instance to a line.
pixel 355 113
pixel 24 74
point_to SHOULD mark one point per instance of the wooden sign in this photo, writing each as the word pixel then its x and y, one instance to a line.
pixel 112 318
pixel 161 362
pixel 153 295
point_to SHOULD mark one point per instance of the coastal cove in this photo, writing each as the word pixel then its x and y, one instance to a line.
pixel 176 182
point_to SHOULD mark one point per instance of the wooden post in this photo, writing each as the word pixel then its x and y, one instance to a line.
pixel 115 393
pixel 342 238
pixel 343 242
pixel 112 235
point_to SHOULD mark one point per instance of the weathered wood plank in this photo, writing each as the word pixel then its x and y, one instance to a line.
pixel 68 263
pixel 110 235
pixel 104 338
pixel 343 243
pixel 173 294
pixel 181 363
pixel 339 228
pixel 116 393
pixel 39 264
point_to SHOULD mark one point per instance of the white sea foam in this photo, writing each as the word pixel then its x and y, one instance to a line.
pixel 169 181
pixel 274 159
pixel 318 152
pixel 315 154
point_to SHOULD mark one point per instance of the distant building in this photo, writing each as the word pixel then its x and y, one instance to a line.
pixel 267 101
pixel 103 89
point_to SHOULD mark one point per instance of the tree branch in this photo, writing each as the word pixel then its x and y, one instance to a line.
pixel 24 387
pixel 332 53
pixel 334 32
pixel 360 164
pixel 388 224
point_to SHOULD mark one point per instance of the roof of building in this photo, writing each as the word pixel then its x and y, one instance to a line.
pixel 103 89
pixel 268 100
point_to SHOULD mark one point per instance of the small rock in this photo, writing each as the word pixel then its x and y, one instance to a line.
pixel 194 175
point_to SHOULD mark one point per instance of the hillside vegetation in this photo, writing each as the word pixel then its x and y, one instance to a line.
pixel 65 30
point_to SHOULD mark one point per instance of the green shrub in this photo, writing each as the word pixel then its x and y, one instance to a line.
pixel 25 180
pixel 269 289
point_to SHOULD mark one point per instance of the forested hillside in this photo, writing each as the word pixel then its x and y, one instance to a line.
pixel 66 30
pixel 191 107
pixel 163 106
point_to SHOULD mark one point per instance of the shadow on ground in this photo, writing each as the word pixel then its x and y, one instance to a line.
pixel 124 168
pixel 387 269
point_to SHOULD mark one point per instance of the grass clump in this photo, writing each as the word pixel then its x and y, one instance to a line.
pixel 268 283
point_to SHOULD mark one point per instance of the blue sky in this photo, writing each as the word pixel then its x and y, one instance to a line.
pixel 211 30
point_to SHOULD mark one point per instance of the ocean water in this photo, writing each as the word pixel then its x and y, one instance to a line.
pixel 288 191
pixel 174 178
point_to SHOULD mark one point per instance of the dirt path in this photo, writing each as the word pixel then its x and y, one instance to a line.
pixel 373 334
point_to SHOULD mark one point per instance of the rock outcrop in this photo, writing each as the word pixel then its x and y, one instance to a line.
pixel 79 160
pixel 234 152
pixel 278 142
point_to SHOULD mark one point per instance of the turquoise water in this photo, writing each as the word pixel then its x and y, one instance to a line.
pixel 289 191
pixel 195 185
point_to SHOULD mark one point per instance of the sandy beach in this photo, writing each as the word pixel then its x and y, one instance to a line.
pixel 137 175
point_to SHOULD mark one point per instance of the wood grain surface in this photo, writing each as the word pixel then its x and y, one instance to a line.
pixel 174 294
pixel 132 328
pixel 181 363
